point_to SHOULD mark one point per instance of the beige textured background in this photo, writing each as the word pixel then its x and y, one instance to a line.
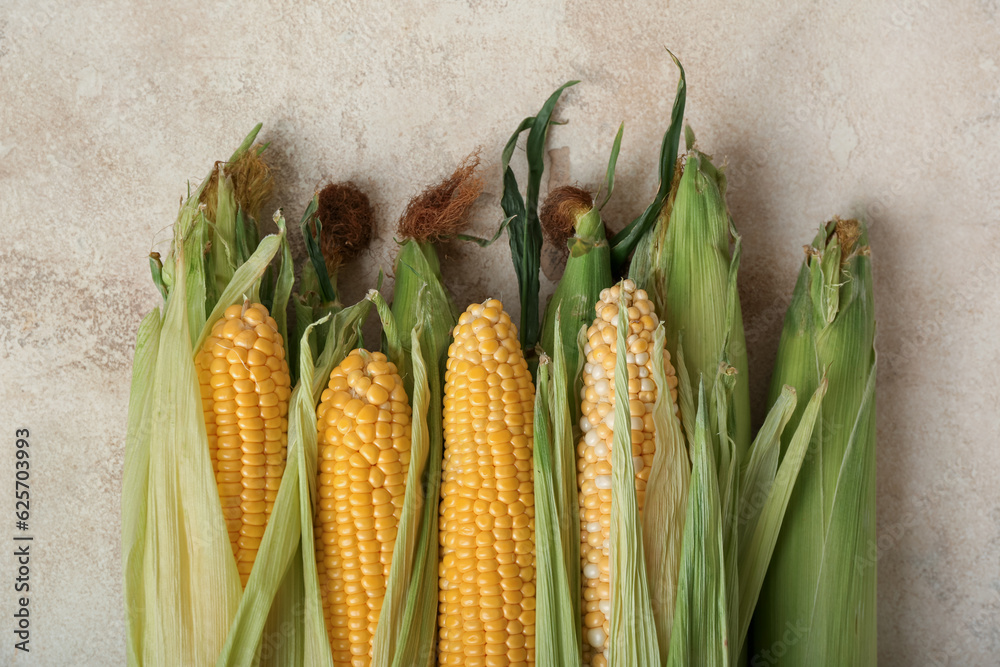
pixel 889 110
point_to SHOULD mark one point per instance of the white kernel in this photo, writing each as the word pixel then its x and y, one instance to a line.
pixel 636 423
pixel 594 527
pixel 591 571
pixel 588 368
pixel 643 372
pixel 605 607
pixel 630 358
pixel 592 438
pixel 628 285
pixel 585 424
pixel 601 449
pixel 587 349
pixel 598 372
pixel 603 481
pixel 596 637
pixel 609 419
pixel 642 358
pixel 602 387
pixel 647 385
pixel 606 544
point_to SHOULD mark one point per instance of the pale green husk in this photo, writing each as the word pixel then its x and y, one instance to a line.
pixel 587 273
pixel 666 502
pixel 185 604
pixel 733 514
pixel 688 264
pixel 181 583
pixel 402 637
pixel 701 619
pixel 557 621
pixel 421 305
pixel 822 579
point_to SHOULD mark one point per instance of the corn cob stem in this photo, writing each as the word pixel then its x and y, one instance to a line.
pixel 487 571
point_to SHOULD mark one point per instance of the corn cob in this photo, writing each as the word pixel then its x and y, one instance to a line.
pixel 689 266
pixel 594 450
pixel 244 393
pixel 821 574
pixel 364 452
pixel 487 569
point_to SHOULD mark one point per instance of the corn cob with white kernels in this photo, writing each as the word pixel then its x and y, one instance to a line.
pixel 594 451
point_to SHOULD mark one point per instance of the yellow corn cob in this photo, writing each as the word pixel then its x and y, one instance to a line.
pixel 364 453
pixel 244 394
pixel 594 450
pixel 487 570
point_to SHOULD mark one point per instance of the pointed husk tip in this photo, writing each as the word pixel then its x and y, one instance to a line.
pixel 253 183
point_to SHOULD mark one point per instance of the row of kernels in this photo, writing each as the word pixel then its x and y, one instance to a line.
pixel 487 574
pixel 364 450
pixel 245 388
pixel 595 449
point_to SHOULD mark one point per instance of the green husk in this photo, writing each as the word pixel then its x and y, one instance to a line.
pixel 689 271
pixel 821 578
pixel 420 298
pixel 524 229
pixel 317 296
pixel 587 273
pixel 135 479
pixel 557 616
pixel 636 234
pixel 230 200
pixel 421 305
pixel 180 574
pixel 701 619
pixel 759 528
pixel 666 502
pixel 564 462
pixel 732 523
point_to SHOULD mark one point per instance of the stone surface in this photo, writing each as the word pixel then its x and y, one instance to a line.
pixel 886 110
